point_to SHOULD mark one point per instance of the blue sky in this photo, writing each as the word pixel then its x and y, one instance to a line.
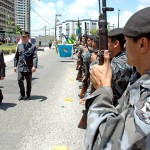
pixel 43 12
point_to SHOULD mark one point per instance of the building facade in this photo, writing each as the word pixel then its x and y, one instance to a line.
pixel 69 27
pixel 22 11
pixel 7 17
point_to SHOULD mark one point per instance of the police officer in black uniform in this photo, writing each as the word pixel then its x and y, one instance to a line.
pixel 25 63
pixel 2 72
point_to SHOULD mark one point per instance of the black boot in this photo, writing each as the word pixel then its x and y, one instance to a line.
pixel 1 96
pixel 28 97
pixel 21 97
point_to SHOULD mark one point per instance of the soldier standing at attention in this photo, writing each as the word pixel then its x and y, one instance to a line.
pixel 126 126
pixel 25 63
pixel 2 72
pixel 50 44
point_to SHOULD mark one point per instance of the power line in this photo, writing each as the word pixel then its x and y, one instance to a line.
pixel 40 15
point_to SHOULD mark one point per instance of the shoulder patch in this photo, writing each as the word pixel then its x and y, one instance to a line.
pixel 144 113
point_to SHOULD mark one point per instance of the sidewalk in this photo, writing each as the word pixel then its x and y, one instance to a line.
pixel 9 58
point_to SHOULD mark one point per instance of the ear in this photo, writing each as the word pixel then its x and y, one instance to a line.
pixel 144 44
pixel 116 44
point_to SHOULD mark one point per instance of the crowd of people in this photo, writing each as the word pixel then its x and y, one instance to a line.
pixel 116 94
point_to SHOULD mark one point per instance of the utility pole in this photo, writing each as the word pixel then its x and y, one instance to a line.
pixel 45 35
pixel 55 26
pixel 29 16
pixel 118 17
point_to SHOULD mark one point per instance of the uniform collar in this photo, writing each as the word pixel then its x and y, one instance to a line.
pixel 137 86
pixel 120 54
pixel 137 80
pixel 25 44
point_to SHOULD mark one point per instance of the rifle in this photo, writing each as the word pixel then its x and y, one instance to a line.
pixel 103 32
pixel 85 34
pixel 103 45
pixel 83 121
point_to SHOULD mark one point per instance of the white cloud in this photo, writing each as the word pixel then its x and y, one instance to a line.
pixel 82 9
pixel 42 14
pixel 125 15
pixel 123 18
pixel 143 4
pixel 78 9
pixel 60 4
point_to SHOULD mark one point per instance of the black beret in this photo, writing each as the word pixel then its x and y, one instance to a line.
pixel 94 37
pixel 138 24
pixel 115 32
pixel 25 33
pixel 96 51
pixel 85 35
pixel 88 36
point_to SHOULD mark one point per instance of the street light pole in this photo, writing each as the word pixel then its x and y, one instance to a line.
pixel 45 35
pixel 30 16
pixel 118 17
pixel 55 26
pixel 30 1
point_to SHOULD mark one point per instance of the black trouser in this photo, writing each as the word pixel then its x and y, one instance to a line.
pixel 1 96
pixel 50 45
pixel 28 77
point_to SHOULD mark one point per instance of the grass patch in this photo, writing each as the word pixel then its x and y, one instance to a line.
pixel 8 48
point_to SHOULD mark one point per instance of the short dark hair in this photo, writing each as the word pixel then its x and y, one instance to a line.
pixel 147 35
pixel 119 38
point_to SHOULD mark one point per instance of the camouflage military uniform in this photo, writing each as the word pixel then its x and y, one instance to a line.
pixel 88 92
pixel 121 75
pixel 124 127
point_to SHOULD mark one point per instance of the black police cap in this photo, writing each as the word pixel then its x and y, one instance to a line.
pixel 138 24
pixel 85 35
pixel 94 37
pixel 25 33
pixel 115 32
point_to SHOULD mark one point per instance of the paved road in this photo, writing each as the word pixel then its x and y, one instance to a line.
pixel 46 120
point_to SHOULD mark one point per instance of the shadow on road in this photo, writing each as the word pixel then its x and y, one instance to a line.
pixel 40 49
pixel 5 106
pixel 66 61
pixel 34 78
pixel 38 97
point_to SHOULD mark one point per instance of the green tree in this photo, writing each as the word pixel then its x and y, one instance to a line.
pixel 17 30
pixel 9 23
pixel 94 31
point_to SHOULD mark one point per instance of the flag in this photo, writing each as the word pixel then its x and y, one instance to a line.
pixel 65 50
pixel 78 31
pixel 69 40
